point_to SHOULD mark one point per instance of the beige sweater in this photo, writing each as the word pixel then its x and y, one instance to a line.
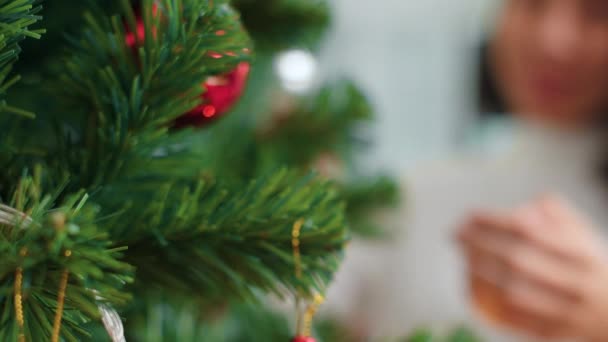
pixel 416 278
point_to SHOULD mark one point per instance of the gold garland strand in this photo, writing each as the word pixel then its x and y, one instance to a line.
pixel 19 303
pixel 63 285
pixel 310 313
pixel 60 301
pixel 19 298
pixel 303 324
pixel 295 243
pixel 297 261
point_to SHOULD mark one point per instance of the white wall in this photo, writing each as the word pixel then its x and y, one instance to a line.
pixel 414 58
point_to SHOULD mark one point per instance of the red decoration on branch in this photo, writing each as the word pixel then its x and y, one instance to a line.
pixel 222 91
pixel 303 339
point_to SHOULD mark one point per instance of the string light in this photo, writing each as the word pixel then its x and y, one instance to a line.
pixel 297 70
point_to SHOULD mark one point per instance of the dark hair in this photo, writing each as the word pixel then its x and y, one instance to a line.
pixel 490 102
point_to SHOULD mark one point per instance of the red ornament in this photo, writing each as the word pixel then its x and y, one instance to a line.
pixel 222 91
pixel 131 38
pixel 303 339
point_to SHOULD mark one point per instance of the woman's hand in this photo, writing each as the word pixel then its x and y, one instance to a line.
pixel 540 270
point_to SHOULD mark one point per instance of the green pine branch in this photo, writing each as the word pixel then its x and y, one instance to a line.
pixel 185 323
pixel 161 322
pixel 16 16
pixel 281 24
pixel 127 97
pixel 327 123
pixel 205 215
pixel 324 122
pixel 49 241
pixel 170 218
pixel 363 196
pixel 204 240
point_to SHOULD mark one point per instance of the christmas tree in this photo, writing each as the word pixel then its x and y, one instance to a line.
pixel 138 199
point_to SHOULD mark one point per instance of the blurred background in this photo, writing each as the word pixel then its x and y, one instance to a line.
pixel 416 62
pixel 420 64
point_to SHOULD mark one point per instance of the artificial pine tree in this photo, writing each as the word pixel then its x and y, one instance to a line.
pixel 113 211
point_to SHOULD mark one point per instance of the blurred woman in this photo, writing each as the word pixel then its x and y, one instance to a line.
pixel 539 268
pixel 533 266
